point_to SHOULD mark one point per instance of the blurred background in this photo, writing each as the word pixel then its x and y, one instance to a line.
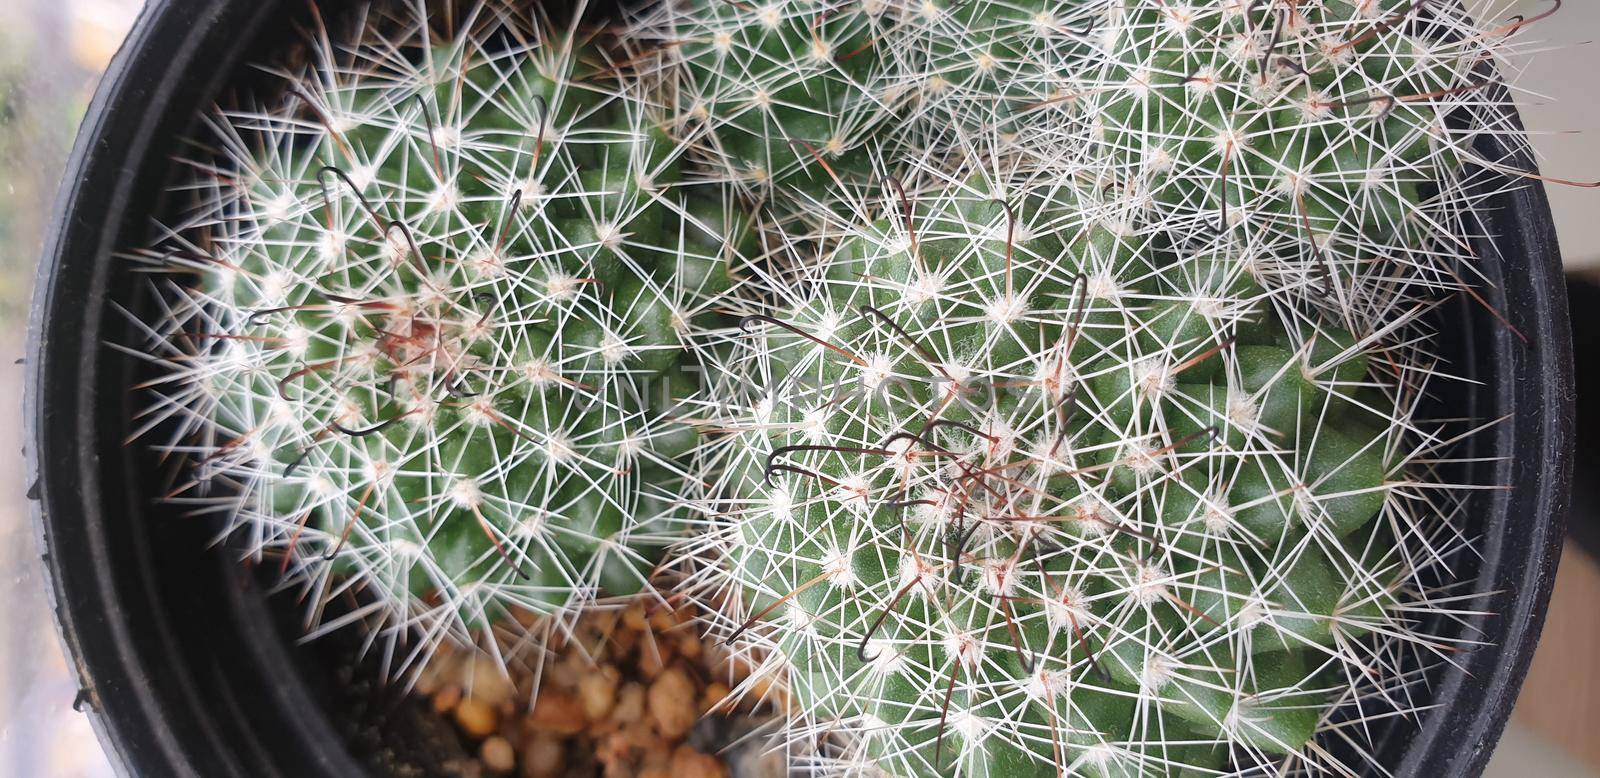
pixel 51 55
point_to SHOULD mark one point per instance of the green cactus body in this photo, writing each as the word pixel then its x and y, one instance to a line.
pixel 1329 136
pixel 782 97
pixel 1015 500
pixel 436 331
pixel 761 91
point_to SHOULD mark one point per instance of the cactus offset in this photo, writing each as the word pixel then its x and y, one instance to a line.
pixel 422 326
pixel 1334 140
pixel 1017 488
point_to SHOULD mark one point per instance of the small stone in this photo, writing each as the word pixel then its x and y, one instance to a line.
pixel 672 704
pixel 629 707
pixel 566 671
pixel 615 753
pixel 556 713
pixel 690 648
pixel 654 656
pixel 633 618
pixel 488 683
pixel 477 719
pixel 689 763
pixel 497 755
pixel 598 692
pixel 446 699
pixel 542 757
pixel 656 757
pixel 716 693
pixel 623 642
pixel 619 770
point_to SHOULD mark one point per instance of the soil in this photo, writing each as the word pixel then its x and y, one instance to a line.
pixel 625 693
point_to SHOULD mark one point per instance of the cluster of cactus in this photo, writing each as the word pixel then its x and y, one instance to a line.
pixel 423 326
pixel 1093 446
pixel 1070 424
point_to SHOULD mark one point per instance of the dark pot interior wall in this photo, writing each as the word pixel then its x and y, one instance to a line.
pixel 190 672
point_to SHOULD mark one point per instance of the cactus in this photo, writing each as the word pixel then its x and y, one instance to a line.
pixel 421 328
pixel 756 90
pixel 1014 486
pixel 762 92
pixel 1332 139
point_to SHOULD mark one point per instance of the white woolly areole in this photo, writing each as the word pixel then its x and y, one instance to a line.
pixel 937 510
pixel 558 447
pixel 614 350
pixel 762 410
pixel 814 425
pixel 1202 82
pixel 1004 309
pixel 1157 159
pixel 445 198
pixel 561 286
pixel 799 618
pixel 1137 85
pixel 296 340
pixel 1002 439
pixel 927 286
pixel 1243 411
pixel 770 16
pixel 1178 19
pixel 1065 611
pixel 279 208
pixel 480 412
pixel 913 569
pixel 963 647
pixel 999 577
pixel 1054 373
pixel 780 504
pixel 837 567
pixel 1154 378
pixel 464 493
pixel 538 372
pixel 1091 515
pixel 827 326
pixel 966 723
pixel 1148 584
pixel 630 447
pixel 331 244
pixel 1144 459
pixel 1043 685
pixel 1157 673
pixel 878 369
pixel 854 494
pixel 1215 514
pixel 1102 285
pixel 883 659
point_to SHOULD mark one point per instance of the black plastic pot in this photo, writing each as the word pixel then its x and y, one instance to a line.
pixel 187 666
